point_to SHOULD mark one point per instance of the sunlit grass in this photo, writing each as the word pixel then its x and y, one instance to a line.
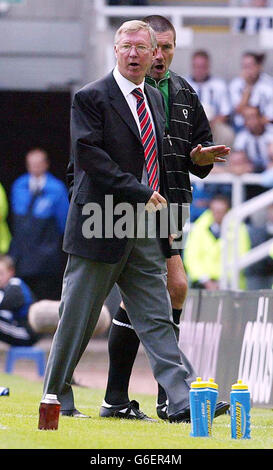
pixel 19 425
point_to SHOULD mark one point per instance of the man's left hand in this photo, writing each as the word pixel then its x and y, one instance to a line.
pixel 208 155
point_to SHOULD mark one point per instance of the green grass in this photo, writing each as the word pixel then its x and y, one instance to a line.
pixel 19 425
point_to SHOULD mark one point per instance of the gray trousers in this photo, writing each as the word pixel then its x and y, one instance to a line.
pixel 142 278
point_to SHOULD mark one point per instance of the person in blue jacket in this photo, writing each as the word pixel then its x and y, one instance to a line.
pixel 15 300
pixel 39 206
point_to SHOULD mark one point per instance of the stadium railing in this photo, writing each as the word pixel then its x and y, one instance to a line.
pixel 176 13
pixel 237 183
pixel 232 262
pixel 240 210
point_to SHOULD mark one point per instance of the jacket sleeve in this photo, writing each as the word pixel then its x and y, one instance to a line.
pixel 87 144
pixel 201 135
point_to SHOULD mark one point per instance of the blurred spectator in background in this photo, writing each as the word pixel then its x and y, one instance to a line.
pixel 239 164
pixel 255 139
pixel 253 25
pixel 39 205
pixel 15 300
pixel 260 274
pixel 202 193
pixel 252 88
pixel 4 229
pixel 213 94
pixel 267 175
pixel 202 252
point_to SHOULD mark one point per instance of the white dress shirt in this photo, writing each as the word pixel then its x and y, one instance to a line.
pixel 126 88
pixel 36 183
pixel 214 96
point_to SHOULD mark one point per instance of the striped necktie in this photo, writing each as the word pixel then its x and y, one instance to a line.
pixel 148 140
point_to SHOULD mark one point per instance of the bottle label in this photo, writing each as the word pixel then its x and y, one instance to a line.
pixel 50 396
pixel 209 416
pixel 240 420
pixel 199 417
pixel 203 410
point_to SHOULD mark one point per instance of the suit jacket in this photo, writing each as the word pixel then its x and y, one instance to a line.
pixel 108 159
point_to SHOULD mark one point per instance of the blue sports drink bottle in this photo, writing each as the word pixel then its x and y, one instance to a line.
pixel 240 411
pixel 198 409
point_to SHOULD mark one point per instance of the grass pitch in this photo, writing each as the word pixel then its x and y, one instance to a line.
pixel 19 425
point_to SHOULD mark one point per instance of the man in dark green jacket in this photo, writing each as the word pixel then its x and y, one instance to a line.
pixel 188 148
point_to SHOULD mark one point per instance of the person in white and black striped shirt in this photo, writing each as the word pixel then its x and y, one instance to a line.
pixel 255 139
pixel 253 87
pixel 213 93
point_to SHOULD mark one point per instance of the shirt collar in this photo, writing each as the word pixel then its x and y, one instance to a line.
pixel 125 85
pixel 153 82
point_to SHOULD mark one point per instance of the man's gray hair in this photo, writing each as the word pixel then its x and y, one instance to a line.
pixel 133 26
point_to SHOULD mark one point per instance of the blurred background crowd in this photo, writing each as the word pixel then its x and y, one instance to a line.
pixel 50 48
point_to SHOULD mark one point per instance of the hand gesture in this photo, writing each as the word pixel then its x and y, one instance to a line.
pixel 156 202
pixel 207 155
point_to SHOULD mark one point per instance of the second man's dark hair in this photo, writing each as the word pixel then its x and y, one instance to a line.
pixel 160 24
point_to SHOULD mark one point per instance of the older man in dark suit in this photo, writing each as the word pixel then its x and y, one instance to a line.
pixel 186 128
pixel 117 130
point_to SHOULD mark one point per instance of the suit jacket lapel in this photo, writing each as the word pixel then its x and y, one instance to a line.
pixel 120 104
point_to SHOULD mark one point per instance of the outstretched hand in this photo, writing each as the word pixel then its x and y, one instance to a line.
pixel 209 155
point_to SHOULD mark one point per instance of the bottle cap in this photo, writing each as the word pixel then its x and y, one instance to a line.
pixel 212 384
pixel 199 383
pixel 239 386
pixel 50 396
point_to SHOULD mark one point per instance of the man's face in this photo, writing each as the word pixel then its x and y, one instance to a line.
pixel 250 69
pixel 134 55
pixel 36 163
pixel 253 120
pixel 219 209
pixel 164 55
pixel 200 68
